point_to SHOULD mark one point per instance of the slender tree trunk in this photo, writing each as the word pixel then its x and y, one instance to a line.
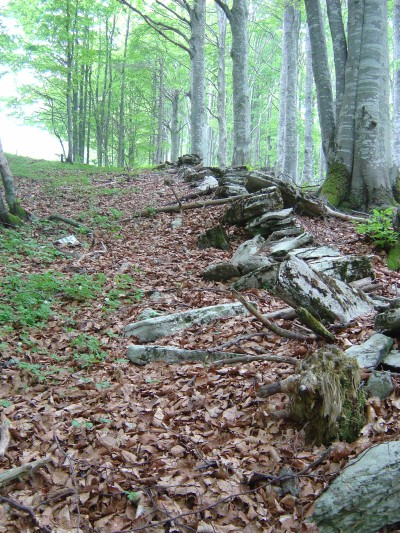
pixel 121 126
pixel 308 160
pixel 396 89
pixel 334 10
pixel 198 77
pixel 321 77
pixel 160 114
pixel 290 148
pixel 175 125
pixel 221 84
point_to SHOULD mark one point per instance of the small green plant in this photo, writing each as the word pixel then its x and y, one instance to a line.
pixel 151 211
pixel 88 350
pixel 5 403
pixel 132 495
pixel 81 422
pixel 379 228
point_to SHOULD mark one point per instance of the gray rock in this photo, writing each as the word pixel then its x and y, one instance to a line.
pixel 227 191
pixel 246 250
pixel 379 385
pixel 326 298
pixel 291 231
pixel 347 268
pixel 223 271
pixel 365 496
pixel 262 278
pixel 392 360
pixel 149 313
pixel 315 252
pixel 271 221
pixel 256 181
pixel 209 183
pixel 255 262
pixel 246 209
pixel 285 246
pixel 370 353
pixel 389 322
pixel 142 355
pixel 152 329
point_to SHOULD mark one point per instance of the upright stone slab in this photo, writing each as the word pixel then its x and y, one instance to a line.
pixel 366 495
pixel 326 298
pixel 245 209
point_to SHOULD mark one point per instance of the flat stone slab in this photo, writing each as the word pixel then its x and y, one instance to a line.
pixel 282 248
pixel 392 360
pixel 153 328
pixel 370 353
pixel 315 252
pixel 326 298
pixel 389 322
pixel 142 355
pixel 347 268
pixel 365 497
pixel 246 250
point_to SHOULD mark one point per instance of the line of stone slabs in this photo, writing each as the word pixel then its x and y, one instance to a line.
pixel 281 256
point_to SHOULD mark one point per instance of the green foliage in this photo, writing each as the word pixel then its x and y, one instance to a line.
pixel 89 350
pixel 15 242
pixel 379 228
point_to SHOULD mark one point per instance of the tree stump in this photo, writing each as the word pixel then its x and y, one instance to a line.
pixel 326 396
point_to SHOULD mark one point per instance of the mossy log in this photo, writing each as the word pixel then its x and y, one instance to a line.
pixel 326 398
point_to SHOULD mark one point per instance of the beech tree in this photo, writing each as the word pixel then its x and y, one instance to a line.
pixel 238 16
pixel 357 144
pixel 11 212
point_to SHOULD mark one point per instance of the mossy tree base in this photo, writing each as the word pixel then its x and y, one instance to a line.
pixel 326 398
pixel 336 187
pixel 19 212
pixel 8 219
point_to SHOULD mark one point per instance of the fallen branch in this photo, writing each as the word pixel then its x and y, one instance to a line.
pixel 315 325
pixel 251 358
pixel 343 216
pixel 25 509
pixel 9 475
pixel 70 221
pixel 182 207
pixel 267 323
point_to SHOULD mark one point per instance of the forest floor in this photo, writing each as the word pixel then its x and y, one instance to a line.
pixel 159 448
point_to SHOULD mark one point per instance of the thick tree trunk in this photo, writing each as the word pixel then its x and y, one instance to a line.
pixel 160 114
pixel 11 213
pixel 396 89
pixel 334 10
pixel 221 83
pixel 290 148
pixel 308 162
pixel 198 76
pixel 321 76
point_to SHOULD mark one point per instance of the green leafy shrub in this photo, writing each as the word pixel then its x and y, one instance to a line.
pixel 379 228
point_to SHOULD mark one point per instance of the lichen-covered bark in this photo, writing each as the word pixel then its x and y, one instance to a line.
pixel 334 10
pixel 396 84
pixel 221 82
pixel 11 212
pixel 308 161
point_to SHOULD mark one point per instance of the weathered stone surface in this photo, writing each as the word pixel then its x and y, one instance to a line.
pixel 347 268
pixel 389 322
pixel 326 298
pixel 285 246
pixel 289 232
pixel 257 180
pixel 255 262
pixel 246 250
pixel 154 328
pixel 142 355
pixel 209 183
pixel 392 360
pixel 271 221
pixel 253 206
pixel 223 271
pixel 264 277
pixel 215 237
pixel 315 252
pixel 365 496
pixel 379 385
pixel 227 191
pixel 370 353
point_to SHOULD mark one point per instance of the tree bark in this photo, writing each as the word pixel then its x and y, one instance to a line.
pixel 396 88
pixel 221 84
pixel 334 10
pixel 308 160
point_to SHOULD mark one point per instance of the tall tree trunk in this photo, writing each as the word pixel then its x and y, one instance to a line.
pixel 308 160
pixel 121 126
pixel 334 10
pixel 198 77
pixel 282 98
pixel 321 77
pixel 290 149
pixel 174 125
pixel 396 89
pixel 160 114
pixel 221 84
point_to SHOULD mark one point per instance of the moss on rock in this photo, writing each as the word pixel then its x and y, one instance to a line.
pixel 336 187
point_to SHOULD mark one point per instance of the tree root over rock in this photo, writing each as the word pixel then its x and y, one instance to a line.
pixel 326 396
